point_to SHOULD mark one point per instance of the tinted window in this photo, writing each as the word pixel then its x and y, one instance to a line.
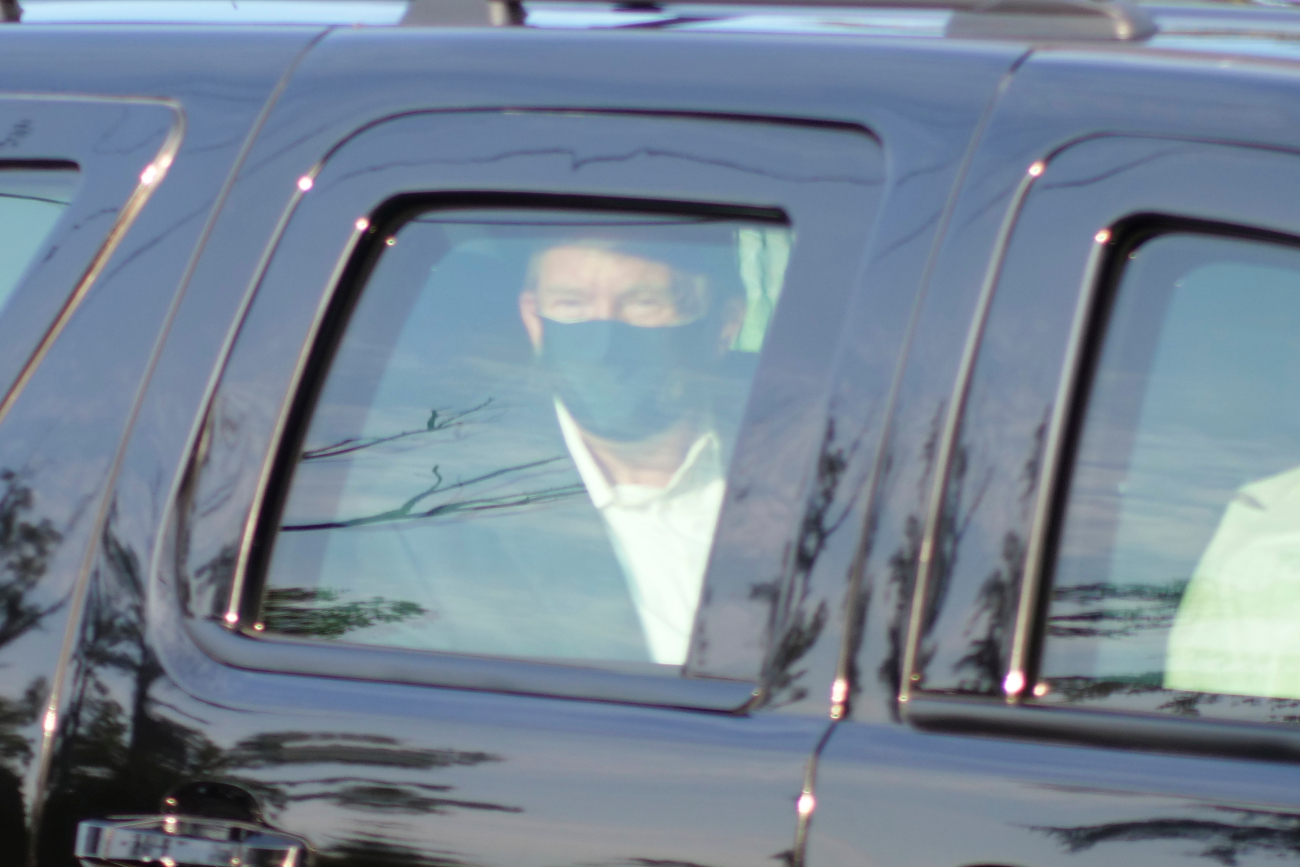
pixel 1177 584
pixel 31 201
pixel 520 446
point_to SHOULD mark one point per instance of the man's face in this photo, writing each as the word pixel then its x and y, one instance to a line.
pixel 626 339
pixel 584 284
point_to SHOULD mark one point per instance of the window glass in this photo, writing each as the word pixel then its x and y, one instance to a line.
pixel 1177 584
pixel 31 201
pixel 520 447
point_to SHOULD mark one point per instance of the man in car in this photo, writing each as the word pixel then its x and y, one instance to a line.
pixel 629 335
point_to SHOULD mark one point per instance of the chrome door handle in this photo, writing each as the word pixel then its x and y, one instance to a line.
pixel 184 841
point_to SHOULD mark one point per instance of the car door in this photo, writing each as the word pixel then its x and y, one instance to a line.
pixel 68 185
pixel 399 223
pixel 89 185
pixel 1073 654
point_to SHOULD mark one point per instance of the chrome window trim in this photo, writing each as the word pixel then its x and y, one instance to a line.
pixel 1013 716
pixel 236 641
pixel 1051 473
pixel 952 427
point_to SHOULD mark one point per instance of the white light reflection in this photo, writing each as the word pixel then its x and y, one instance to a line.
pixel 839 690
pixel 153 173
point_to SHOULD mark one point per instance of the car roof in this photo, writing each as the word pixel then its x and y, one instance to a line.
pixel 1264 29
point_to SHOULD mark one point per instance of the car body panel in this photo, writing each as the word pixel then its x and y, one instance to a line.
pixel 374 772
pixel 63 435
pixel 1138 135
pixel 520 778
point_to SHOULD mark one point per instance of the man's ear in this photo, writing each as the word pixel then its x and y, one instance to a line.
pixel 532 319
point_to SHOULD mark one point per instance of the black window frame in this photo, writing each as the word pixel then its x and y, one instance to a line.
pixel 1118 211
pixel 121 149
pixel 238 528
pixel 385 222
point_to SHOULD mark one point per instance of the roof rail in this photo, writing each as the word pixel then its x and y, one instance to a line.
pixel 1117 20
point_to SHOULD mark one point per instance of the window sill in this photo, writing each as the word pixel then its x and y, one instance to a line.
pixel 458 671
pixel 1117 730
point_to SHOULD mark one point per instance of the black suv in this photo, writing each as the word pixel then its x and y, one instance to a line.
pixel 650 435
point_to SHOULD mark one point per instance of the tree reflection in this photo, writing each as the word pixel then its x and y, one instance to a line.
pixel 1145 607
pixel 955 515
pixel 376 850
pixel 312 612
pixel 124 745
pixel 437 422
pixel 992 619
pixel 902 568
pixel 411 798
pixel 286 748
pixel 26 546
pixel 1253 833
pixel 414 507
pixel 795 626
pixel 407 510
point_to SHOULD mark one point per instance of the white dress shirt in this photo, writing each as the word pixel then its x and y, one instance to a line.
pixel 661 536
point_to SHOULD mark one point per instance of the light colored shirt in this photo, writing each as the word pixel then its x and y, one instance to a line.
pixel 1237 630
pixel 661 536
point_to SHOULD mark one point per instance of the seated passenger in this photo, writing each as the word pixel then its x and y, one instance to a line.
pixel 1237 627
pixel 577 462
pixel 625 335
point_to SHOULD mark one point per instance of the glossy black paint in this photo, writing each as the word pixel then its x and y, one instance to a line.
pixel 112 141
pixel 403 773
pixel 61 435
pixel 923 114
pixel 1111 791
pixel 418 775
pixel 626 159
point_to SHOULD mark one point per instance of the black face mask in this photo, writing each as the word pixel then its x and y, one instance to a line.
pixel 626 383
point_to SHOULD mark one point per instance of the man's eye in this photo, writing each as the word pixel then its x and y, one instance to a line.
pixel 648 302
pixel 566 305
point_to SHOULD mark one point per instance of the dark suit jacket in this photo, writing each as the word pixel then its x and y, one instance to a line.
pixel 507 555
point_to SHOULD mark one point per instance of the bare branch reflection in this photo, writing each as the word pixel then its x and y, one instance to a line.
pixel 313 612
pixel 799 627
pixel 1262 833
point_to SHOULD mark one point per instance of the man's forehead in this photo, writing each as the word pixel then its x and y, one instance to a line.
pixel 569 261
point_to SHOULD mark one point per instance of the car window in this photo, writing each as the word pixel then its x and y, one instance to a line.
pixel 520 445
pixel 1177 581
pixel 31 202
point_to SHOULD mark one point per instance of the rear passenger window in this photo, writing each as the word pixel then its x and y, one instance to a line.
pixel 1177 581
pixel 31 202
pixel 519 448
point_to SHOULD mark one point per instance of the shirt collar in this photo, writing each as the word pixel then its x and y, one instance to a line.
pixel 701 466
